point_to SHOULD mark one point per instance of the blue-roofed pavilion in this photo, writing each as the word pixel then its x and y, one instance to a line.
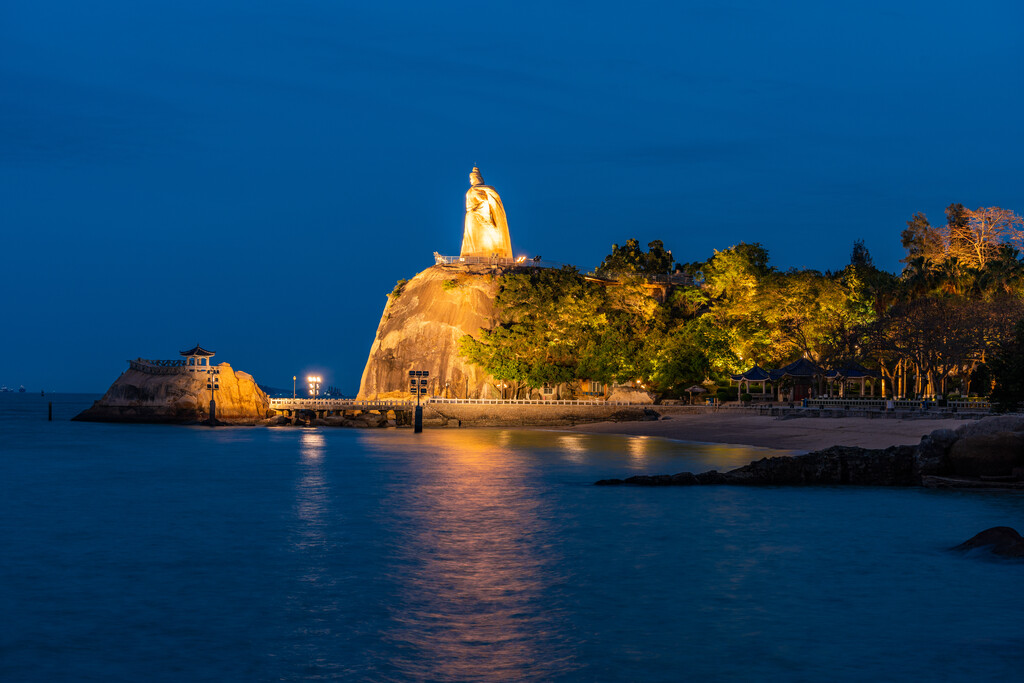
pixel 754 374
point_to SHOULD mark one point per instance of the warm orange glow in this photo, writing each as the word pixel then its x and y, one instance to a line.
pixel 486 229
pixel 475 576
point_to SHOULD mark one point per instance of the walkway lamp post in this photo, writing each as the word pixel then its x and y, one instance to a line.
pixel 418 386
pixel 293 385
pixel 314 385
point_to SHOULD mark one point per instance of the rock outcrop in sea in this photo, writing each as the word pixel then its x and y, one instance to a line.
pixel 985 454
pixel 999 540
pixel 420 329
pixel 179 398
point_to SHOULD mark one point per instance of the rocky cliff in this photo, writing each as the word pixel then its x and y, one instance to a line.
pixel 179 397
pixel 420 329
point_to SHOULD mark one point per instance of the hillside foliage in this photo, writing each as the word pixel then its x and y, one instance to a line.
pixel 930 330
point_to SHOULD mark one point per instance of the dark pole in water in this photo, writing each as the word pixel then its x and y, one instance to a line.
pixel 417 425
pixel 50 416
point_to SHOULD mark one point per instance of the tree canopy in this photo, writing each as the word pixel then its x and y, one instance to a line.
pixel 928 330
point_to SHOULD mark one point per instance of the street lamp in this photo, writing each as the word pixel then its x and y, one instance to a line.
pixel 314 385
pixel 213 384
pixel 293 386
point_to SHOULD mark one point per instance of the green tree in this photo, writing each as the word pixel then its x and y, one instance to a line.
pixel 860 256
pixel 921 240
pixel 547 319
pixel 630 259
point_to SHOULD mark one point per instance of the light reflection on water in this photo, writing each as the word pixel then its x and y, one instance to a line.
pixel 471 602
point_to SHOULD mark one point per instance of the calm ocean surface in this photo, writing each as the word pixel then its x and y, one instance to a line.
pixel 150 553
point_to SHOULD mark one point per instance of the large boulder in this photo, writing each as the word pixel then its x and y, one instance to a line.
pixel 992 425
pixel 420 329
pixel 993 454
pixel 999 540
pixel 933 451
pixel 172 396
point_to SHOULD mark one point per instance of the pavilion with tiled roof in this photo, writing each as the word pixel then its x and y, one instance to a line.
pixel 853 371
pixel 197 357
pixel 754 374
pixel 801 373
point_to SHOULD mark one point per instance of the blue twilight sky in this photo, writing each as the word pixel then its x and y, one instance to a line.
pixel 255 176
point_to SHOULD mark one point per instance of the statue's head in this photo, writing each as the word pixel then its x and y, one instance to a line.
pixel 475 178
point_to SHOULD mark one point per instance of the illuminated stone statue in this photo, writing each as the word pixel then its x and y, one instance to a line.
pixel 486 231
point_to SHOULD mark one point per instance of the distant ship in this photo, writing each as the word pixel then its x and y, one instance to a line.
pixel 21 390
pixel 5 390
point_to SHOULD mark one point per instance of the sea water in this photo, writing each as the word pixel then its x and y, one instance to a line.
pixel 161 553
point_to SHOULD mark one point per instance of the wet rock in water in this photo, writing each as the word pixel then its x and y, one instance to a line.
pixel 836 465
pixel 711 478
pixel 893 466
pixel 1000 540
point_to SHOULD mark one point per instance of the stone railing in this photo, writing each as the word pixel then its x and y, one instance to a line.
pixel 440 259
pixel 530 402
pixel 336 403
pixel 343 403
pixel 895 404
pixel 152 367
pixel 175 366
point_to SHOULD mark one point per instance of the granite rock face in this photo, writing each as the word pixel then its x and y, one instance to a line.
pixel 421 327
pixel 179 398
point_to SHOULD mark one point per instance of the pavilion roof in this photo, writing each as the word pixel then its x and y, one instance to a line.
pixel 754 374
pixel 800 368
pixel 197 350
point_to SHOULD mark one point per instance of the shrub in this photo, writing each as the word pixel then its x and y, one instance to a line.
pixel 397 291
pixel 746 398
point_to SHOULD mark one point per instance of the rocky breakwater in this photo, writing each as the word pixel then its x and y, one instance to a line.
pixel 420 329
pixel 179 398
pixel 985 454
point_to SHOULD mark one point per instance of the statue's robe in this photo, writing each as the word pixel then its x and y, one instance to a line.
pixel 486 228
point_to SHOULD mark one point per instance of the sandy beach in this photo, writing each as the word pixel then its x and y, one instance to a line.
pixel 803 434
